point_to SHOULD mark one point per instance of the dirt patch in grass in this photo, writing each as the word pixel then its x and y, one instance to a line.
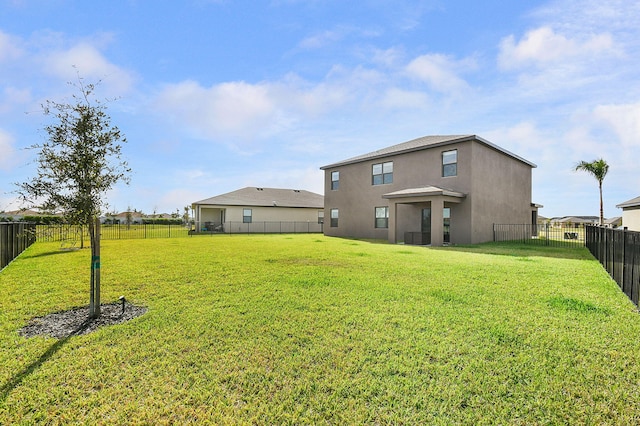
pixel 76 321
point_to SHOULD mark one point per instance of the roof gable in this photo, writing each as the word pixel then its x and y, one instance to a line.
pixel 267 197
pixel 634 202
pixel 419 144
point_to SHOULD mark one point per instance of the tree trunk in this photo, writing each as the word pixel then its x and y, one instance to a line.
pixel 94 295
pixel 601 207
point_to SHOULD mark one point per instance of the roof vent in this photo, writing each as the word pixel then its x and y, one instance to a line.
pixel 260 189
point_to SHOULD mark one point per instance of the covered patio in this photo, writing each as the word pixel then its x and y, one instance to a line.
pixel 422 215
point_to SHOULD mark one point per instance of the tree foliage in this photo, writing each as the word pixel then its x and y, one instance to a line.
pixel 79 162
pixel 598 169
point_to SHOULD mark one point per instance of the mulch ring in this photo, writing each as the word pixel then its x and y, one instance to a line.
pixel 76 321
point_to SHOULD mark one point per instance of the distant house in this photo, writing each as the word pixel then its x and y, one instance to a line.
pixel 17 215
pixel 543 220
pixel 124 218
pixel 574 221
pixel 430 190
pixel 631 214
pixel 613 222
pixel 255 209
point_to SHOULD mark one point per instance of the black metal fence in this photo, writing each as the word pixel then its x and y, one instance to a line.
pixel 274 227
pixel 619 252
pixel 72 235
pixel 561 236
pixel 417 238
pixel 15 237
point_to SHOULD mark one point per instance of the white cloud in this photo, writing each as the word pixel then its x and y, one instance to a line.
pixel 9 47
pixel 233 109
pixel 13 97
pixel 239 112
pixel 440 72
pixel 544 46
pixel 322 39
pixel 87 61
pixel 395 98
pixel 624 120
pixel 8 157
pixel 387 57
pixel 178 199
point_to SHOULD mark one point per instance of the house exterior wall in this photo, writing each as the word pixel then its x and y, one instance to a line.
pixel 500 192
pixel 234 214
pixel 497 188
pixel 631 218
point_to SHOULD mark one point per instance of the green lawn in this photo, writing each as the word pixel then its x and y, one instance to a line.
pixel 305 329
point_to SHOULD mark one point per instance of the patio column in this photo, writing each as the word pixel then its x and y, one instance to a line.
pixel 437 221
pixel 393 213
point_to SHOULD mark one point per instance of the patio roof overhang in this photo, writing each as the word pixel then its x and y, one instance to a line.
pixel 425 193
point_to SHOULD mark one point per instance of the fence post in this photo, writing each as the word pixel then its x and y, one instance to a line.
pixel 624 258
pixel 546 236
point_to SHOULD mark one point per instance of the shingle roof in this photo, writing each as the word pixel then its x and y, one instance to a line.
pixel 267 197
pixel 634 202
pixel 424 142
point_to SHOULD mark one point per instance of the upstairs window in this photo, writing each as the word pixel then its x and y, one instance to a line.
pixel 246 216
pixel 450 163
pixel 334 218
pixel 335 180
pixel 382 173
pixel 382 217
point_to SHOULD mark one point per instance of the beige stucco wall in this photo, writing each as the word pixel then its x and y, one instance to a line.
pixel 498 190
pixel 631 218
pixel 234 214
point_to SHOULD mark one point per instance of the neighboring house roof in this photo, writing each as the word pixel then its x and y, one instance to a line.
pixel 422 143
pixel 634 202
pixel 267 197
pixel 24 212
pixel 576 219
pixel 123 215
pixel 160 216
pixel 613 221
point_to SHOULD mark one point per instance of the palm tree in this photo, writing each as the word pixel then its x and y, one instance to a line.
pixel 598 169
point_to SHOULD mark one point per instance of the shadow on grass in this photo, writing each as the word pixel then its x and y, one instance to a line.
pixel 51 253
pixel 15 381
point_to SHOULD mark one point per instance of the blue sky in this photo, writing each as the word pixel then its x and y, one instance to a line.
pixel 214 95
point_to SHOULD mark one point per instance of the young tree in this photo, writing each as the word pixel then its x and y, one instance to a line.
pixel 598 169
pixel 185 215
pixel 78 163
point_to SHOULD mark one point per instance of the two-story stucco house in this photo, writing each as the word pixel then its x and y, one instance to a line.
pixel 431 190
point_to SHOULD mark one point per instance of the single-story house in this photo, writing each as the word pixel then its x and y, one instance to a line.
pixel 430 190
pixel 574 221
pixel 123 218
pixel 255 209
pixel 631 214
pixel 614 222
pixel 16 215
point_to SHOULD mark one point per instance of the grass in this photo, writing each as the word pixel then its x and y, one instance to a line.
pixel 305 329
